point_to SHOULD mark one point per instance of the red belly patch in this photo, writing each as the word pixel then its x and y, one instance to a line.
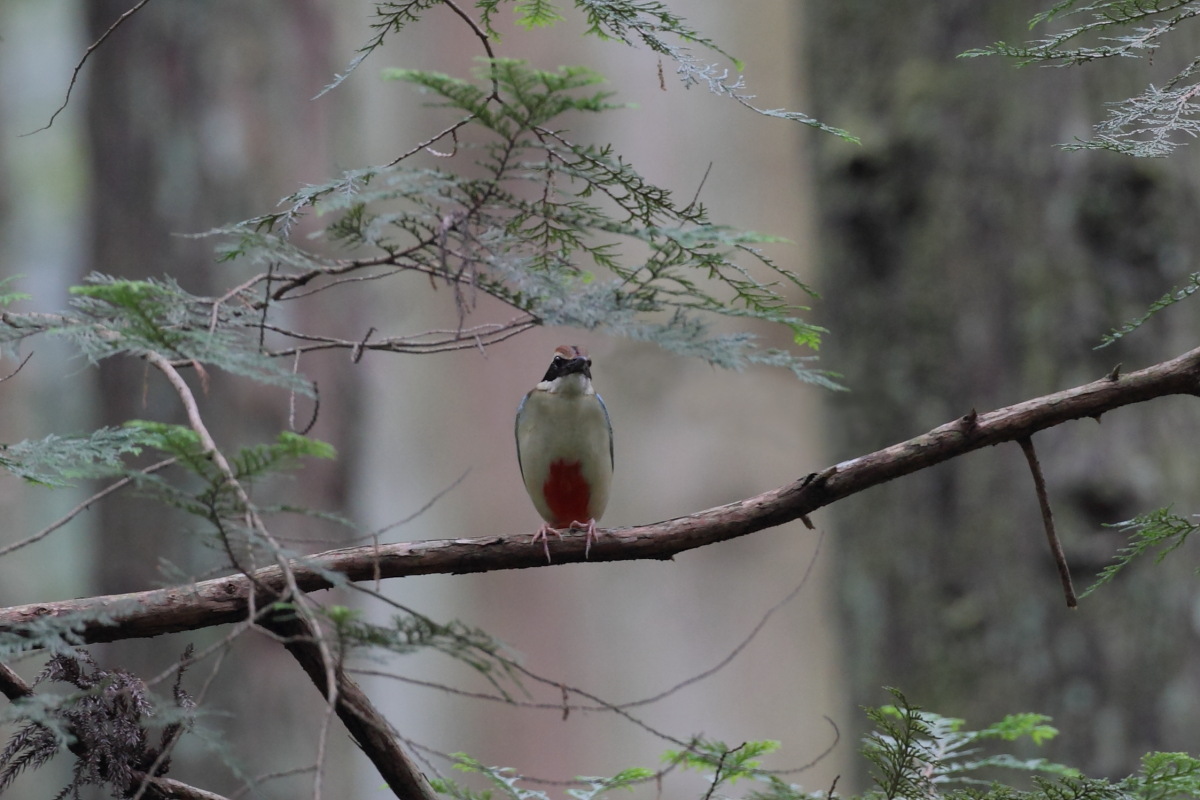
pixel 567 493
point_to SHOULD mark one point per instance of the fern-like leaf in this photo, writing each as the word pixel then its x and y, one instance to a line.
pixel 1157 530
pixel 1170 298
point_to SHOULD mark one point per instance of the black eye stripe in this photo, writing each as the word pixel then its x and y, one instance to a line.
pixel 561 365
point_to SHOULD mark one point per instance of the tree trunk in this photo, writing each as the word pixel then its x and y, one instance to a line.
pixel 199 115
pixel 969 264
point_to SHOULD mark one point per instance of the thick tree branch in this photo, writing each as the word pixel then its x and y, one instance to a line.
pixel 366 725
pixel 12 685
pixel 226 600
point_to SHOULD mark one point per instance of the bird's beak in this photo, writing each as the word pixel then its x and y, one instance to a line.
pixel 577 365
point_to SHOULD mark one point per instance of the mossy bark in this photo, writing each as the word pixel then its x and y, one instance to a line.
pixel 966 264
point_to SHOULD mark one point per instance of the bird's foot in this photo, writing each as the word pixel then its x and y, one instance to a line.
pixel 590 527
pixel 543 533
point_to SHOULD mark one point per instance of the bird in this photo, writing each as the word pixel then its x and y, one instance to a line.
pixel 565 447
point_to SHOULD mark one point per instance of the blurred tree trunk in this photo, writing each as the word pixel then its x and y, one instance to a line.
pixel 198 115
pixel 969 264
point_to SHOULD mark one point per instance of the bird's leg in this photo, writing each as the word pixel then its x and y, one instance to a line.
pixel 543 533
pixel 590 527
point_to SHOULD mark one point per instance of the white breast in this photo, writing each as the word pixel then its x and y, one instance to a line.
pixel 570 427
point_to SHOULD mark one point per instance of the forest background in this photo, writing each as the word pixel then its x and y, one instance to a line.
pixel 963 261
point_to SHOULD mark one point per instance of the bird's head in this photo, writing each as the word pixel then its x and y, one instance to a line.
pixel 570 371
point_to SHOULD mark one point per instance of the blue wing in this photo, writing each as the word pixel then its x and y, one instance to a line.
pixel 612 462
pixel 516 425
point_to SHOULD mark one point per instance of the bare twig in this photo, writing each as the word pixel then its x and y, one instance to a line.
pixel 375 534
pixel 343 280
pixel 432 341
pixel 565 705
pixel 1039 486
pixel 718 771
pixel 79 509
pixel 516 667
pixel 482 36
pixel 198 426
pixel 270 776
pixel 322 744
pixel 24 361
pixel 428 144
pixel 215 315
pixel 699 188
pixel 736 651
pixel 79 65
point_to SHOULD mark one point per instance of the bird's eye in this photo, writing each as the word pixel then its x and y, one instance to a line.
pixel 558 359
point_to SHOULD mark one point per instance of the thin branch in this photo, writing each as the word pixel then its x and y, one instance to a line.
pixel 720 767
pixel 736 651
pixel 421 343
pixel 322 745
pixel 196 422
pixel 24 361
pixel 270 776
pixel 565 706
pixel 79 65
pixel 219 648
pixel 375 534
pixel 226 600
pixel 366 725
pixel 483 37
pixel 287 587
pixel 343 281
pixel 214 316
pixel 516 667
pixel 432 140
pixel 1039 486
pixel 79 509
pixel 819 757
pixel 699 188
